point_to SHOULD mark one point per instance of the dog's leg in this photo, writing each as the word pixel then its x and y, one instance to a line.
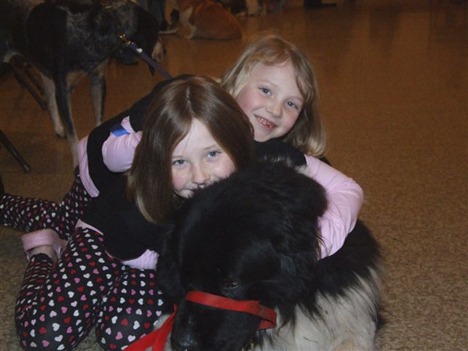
pixel 97 89
pixel 159 51
pixel 62 96
pixel 49 91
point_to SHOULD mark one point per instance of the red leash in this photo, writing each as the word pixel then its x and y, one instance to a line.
pixel 267 315
pixel 157 339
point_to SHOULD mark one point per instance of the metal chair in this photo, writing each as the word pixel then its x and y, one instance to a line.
pixel 22 70
pixel 11 148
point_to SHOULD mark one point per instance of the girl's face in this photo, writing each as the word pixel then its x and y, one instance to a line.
pixel 198 161
pixel 272 100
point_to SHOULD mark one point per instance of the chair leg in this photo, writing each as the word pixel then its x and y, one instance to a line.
pixel 9 146
pixel 22 72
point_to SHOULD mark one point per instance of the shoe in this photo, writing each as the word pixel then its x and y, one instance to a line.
pixel 41 238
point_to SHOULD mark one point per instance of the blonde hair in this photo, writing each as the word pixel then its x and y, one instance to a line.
pixel 308 134
pixel 173 108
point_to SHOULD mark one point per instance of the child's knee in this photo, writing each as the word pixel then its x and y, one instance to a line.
pixel 39 334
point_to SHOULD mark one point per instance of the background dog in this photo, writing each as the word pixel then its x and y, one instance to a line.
pixel 254 237
pixel 62 38
pixel 207 19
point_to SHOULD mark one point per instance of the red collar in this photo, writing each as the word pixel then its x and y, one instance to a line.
pixel 157 339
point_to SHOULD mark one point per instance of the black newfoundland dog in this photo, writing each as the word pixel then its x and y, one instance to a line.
pixel 243 269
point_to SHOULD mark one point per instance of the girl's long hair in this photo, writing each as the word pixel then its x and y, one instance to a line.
pixel 168 120
pixel 308 133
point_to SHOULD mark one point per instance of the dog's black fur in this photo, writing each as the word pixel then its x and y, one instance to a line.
pixel 254 236
pixel 68 36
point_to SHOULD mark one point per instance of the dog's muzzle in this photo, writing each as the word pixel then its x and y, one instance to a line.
pixel 157 340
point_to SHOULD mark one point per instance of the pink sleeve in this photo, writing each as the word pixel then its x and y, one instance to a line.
pixel 118 150
pixel 345 199
pixel 148 260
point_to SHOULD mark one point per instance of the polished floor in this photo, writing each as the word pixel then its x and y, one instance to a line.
pixel 393 77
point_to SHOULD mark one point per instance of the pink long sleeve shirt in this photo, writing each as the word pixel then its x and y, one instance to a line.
pixel 344 195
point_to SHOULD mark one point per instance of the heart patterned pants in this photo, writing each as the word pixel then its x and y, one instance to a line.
pixel 59 304
pixel 30 214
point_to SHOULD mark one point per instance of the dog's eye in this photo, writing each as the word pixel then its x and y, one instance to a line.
pixel 230 284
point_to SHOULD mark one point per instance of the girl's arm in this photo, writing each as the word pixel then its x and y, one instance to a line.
pixel 118 150
pixel 147 260
pixel 345 198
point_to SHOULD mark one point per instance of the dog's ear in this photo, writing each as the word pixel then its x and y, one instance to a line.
pixel 303 201
pixel 168 273
pixel 296 237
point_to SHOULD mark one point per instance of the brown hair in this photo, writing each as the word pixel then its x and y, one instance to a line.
pixel 308 133
pixel 168 120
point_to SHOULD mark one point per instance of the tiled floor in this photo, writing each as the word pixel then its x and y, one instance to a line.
pixel 393 77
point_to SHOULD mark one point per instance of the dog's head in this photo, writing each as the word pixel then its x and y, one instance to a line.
pixel 252 236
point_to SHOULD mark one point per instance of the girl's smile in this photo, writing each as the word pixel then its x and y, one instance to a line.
pixel 198 161
pixel 264 122
pixel 272 100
